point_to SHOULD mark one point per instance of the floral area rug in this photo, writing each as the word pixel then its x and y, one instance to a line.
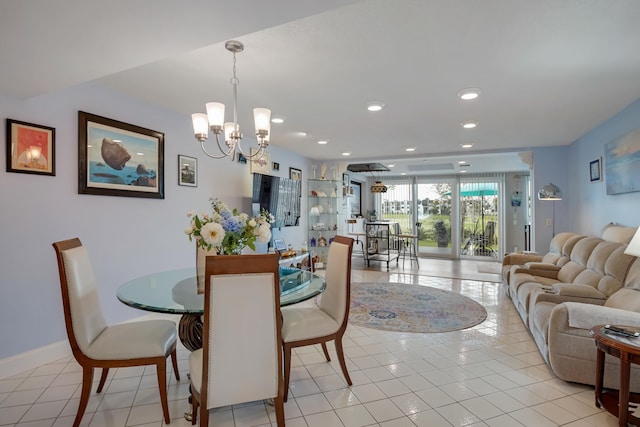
pixel 412 308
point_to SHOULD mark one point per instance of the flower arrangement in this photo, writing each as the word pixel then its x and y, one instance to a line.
pixel 228 231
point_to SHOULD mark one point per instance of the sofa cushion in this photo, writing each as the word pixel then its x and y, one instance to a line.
pixel 579 257
pixel 618 233
pixel 625 299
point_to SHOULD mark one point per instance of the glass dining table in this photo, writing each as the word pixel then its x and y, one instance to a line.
pixel 175 292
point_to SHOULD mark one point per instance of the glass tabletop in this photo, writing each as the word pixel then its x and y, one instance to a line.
pixel 175 291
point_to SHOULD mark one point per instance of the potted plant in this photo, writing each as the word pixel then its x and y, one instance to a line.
pixel 441 234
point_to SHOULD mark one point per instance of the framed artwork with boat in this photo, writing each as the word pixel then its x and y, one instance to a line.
pixel 119 159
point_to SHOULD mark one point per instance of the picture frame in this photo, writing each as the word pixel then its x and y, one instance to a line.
pixel 187 171
pixel 356 200
pixel 276 166
pixel 621 164
pixel 119 159
pixel 295 174
pixel 260 165
pixel 242 159
pixel 595 170
pixel 31 148
pixel 279 245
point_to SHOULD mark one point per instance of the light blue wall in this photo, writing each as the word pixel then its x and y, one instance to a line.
pixel 585 208
pixel 590 205
pixel 127 237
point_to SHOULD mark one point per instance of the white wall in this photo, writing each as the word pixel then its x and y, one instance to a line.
pixel 127 237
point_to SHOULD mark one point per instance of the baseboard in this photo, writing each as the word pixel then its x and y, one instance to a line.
pixel 31 359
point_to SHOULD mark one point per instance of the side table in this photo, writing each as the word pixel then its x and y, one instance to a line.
pixel 628 351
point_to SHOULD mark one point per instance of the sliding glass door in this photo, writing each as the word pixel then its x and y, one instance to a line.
pixel 479 224
pixel 435 213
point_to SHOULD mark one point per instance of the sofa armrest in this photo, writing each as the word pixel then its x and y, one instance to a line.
pixel 578 290
pixel 586 316
pixel 551 274
pixel 542 266
pixel 520 259
pixel 552 297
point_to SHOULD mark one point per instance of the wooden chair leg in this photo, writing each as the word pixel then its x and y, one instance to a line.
pixel 161 368
pixel 343 365
pixel 174 363
pixel 286 354
pixel 103 379
pixel 279 406
pixel 194 409
pixel 204 415
pixel 87 382
pixel 326 352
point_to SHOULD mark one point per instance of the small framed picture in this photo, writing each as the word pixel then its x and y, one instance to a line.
pixel 31 148
pixel 242 159
pixel 295 174
pixel 187 171
pixel 276 166
pixel 595 170
pixel 279 245
pixel 260 164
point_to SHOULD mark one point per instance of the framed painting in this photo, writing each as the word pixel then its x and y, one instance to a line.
pixel 622 163
pixel 356 200
pixel 187 171
pixel 260 165
pixel 295 174
pixel 595 170
pixel 31 148
pixel 119 159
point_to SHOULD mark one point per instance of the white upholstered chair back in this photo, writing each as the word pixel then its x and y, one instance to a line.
pixel 87 320
pixel 242 353
pixel 335 298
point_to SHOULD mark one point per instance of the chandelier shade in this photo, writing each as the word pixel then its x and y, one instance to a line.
pixel 213 121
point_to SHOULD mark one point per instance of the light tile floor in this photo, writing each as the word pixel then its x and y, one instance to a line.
pixel 489 375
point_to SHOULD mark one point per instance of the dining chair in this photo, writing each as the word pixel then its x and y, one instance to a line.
pixel 409 242
pixel 241 357
pixel 97 345
pixel 326 321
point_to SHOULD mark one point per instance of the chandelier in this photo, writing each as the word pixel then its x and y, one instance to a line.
pixel 214 121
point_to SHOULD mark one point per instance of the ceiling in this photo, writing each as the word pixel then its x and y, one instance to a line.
pixel 549 71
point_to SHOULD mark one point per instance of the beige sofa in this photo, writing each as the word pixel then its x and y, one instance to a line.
pixel 558 255
pixel 561 332
pixel 597 284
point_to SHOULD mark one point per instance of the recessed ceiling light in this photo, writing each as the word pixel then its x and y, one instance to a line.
pixel 346 154
pixel 462 162
pixel 469 93
pixel 410 149
pixel 470 124
pixel 403 173
pixel 303 133
pixel 322 142
pixel 375 106
pixel 390 166
pixel 467 145
pixel 463 171
pixel 277 120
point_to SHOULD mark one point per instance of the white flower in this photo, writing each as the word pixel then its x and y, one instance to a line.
pixel 252 223
pixel 188 230
pixel 212 233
